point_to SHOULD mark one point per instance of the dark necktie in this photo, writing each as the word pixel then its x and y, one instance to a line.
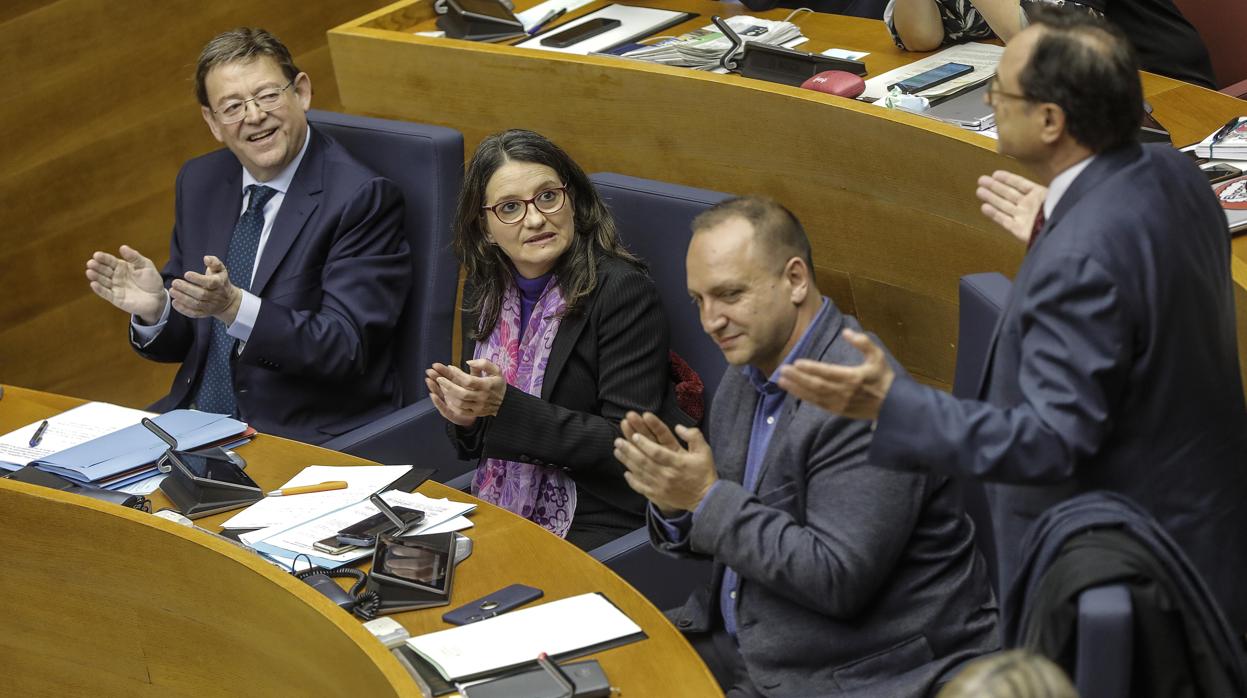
pixel 216 386
pixel 1035 229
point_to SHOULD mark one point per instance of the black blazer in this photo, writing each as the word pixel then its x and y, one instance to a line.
pixel 610 356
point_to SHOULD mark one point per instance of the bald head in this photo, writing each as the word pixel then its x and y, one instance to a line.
pixel 778 235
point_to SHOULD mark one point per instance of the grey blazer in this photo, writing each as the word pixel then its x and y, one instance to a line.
pixel 855 580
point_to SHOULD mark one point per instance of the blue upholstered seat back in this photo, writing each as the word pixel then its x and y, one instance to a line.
pixel 654 222
pixel 426 162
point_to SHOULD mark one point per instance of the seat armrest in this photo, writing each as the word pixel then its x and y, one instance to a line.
pixel 1105 642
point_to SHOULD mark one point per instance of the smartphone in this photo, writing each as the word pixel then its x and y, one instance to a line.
pixel 932 77
pixel 425 562
pixel 214 468
pixel 332 546
pixel 1220 173
pixel 490 605
pixel 364 533
pixel 580 32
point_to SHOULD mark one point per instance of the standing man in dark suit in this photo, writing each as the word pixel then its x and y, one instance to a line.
pixel 1114 365
pixel 290 323
pixel 831 576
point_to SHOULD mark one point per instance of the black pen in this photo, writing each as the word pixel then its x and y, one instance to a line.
pixel 553 15
pixel 1225 130
pixel 34 440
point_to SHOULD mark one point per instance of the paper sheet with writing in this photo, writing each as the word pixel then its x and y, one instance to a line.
pixel 516 638
pixel 984 58
pixel 66 430
pixel 293 540
pixel 361 480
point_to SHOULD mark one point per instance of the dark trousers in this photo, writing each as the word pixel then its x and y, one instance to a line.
pixel 722 656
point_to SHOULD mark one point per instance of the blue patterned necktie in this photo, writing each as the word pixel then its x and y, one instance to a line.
pixel 216 386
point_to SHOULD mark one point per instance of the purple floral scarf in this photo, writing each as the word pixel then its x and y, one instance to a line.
pixel 545 496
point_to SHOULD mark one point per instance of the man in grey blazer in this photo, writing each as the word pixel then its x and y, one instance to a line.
pixel 1115 363
pixel 832 577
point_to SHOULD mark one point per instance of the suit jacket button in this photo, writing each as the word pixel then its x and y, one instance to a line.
pixel 684 623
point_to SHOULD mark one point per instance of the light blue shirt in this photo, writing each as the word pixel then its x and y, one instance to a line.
pixel 249 308
pixel 766 417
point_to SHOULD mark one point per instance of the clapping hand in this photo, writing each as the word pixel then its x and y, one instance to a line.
pixel 209 294
pixel 461 397
pixel 1011 201
pixel 130 282
pixel 666 473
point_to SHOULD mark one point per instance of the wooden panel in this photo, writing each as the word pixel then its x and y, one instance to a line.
pixel 182 614
pixel 99 115
pixel 885 196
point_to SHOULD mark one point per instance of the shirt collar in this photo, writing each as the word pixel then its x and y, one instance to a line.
pixel 1060 184
pixel 282 181
pixel 766 385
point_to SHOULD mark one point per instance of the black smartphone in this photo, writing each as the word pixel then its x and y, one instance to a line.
pixel 425 562
pixel 932 77
pixel 214 468
pixel 580 32
pixel 364 533
pixel 490 605
pixel 1221 172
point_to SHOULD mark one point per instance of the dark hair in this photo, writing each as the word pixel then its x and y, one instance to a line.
pixel 1087 68
pixel 487 269
pixel 241 44
pixel 775 228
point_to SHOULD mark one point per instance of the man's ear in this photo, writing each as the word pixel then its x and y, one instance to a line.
pixel 213 126
pixel 303 90
pixel 1053 126
pixel 798 276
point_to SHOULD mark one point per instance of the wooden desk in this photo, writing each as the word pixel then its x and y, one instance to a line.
pixel 109 601
pixel 887 197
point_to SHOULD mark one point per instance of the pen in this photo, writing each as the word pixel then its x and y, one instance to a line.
pixel 1225 130
pixel 305 489
pixel 34 440
pixel 550 17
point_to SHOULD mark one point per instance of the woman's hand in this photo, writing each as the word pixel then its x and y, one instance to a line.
pixel 462 397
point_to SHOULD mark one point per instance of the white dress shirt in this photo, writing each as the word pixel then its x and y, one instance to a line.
pixel 249 309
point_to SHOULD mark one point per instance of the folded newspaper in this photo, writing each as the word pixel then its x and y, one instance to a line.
pixel 702 48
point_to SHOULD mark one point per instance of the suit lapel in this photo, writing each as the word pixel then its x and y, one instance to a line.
pixel 730 462
pixel 1099 170
pixel 225 209
pixel 301 200
pixel 569 332
pixel 823 333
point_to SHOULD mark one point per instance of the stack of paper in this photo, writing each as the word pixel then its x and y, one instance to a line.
pixel 984 58
pixel 1227 143
pixel 104 445
pixel 562 628
pixel 702 48
pixel 66 430
pixel 288 540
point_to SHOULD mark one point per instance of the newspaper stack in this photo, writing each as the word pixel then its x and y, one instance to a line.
pixel 702 48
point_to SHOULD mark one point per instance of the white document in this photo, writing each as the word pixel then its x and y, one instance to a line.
pixel 300 537
pixel 66 430
pixel 362 481
pixel 516 638
pixel 635 22
pixel 845 54
pixel 984 58
pixel 530 17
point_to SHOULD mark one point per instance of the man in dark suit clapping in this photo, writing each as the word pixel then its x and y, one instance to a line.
pixel 831 576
